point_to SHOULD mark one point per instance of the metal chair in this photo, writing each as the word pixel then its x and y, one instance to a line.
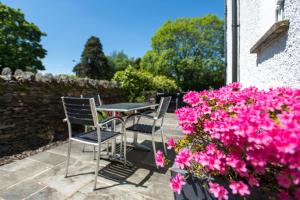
pixel 97 99
pixel 151 129
pixel 82 111
pixel 174 103
pixel 98 102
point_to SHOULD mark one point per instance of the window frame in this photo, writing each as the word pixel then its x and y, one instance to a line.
pixel 279 14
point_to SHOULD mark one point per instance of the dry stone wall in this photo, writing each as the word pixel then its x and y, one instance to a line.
pixel 31 111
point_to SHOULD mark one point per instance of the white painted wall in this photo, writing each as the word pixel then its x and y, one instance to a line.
pixel 278 64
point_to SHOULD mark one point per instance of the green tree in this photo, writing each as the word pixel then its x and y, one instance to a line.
pixel 138 82
pixel 190 51
pixel 118 60
pixel 20 46
pixel 163 84
pixel 134 82
pixel 93 63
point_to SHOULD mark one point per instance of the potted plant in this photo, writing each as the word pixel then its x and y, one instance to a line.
pixel 238 143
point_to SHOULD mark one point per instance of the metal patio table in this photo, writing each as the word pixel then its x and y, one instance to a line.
pixel 125 107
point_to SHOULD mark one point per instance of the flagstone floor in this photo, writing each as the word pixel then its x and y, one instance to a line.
pixel 41 176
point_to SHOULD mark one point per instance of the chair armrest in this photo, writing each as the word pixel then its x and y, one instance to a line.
pixel 148 116
pixel 148 112
pixel 108 120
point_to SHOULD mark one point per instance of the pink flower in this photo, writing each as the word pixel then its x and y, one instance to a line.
pixel 253 181
pixel 187 117
pixel 283 196
pixel 297 193
pixel 159 159
pixel 192 98
pixel 237 164
pixel 242 131
pixel 177 182
pixel 283 180
pixel 218 191
pixel 295 176
pixel 171 143
pixel 183 158
pixel 212 158
pixel 239 187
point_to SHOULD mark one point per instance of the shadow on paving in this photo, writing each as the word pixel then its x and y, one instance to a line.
pixel 141 160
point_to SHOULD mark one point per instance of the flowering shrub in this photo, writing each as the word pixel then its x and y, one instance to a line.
pixel 177 182
pixel 218 191
pixel 242 134
pixel 137 82
pixel 159 159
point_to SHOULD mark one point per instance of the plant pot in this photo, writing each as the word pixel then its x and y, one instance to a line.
pixel 195 189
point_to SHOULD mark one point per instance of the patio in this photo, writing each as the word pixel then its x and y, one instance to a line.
pixel 41 176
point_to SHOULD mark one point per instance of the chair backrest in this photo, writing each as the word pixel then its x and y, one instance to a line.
pixel 80 110
pixel 163 106
pixel 97 99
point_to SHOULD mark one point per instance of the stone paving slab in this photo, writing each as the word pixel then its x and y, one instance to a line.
pixel 49 158
pixel 79 175
pixel 46 193
pixel 107 192
pixel 42 176
pixel 20 170
pixel 77 153
pixel 22 190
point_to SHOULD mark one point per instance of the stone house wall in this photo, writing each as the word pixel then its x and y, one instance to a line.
pixel 31 110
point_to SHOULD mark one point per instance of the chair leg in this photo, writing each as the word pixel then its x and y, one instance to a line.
pixel 125 149
pixel 85 130
pixel 94 150
pixel 153 145
pixel 97 166
pixel 68 158
pixel 107 147
pixel 121 144
pixel 163 140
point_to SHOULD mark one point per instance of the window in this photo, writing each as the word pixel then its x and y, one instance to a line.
pixel 278 28
pixel 280 10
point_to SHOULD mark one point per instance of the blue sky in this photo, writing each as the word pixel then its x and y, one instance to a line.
pixel 126 25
